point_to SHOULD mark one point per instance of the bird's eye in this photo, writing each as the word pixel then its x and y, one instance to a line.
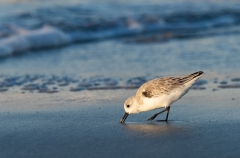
pixel 128 106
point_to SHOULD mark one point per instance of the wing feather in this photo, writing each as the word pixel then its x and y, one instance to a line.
pixel 165 85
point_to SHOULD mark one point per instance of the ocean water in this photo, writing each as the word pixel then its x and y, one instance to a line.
pixel 33 25
pixel 116 41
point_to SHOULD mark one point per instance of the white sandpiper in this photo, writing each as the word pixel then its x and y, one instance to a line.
pixel 159 93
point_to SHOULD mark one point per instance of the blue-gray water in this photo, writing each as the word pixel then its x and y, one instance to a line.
pixel 117 40
pixel 34 25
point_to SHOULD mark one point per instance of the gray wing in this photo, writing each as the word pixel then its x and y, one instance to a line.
pixel 158 87
pixel 164 85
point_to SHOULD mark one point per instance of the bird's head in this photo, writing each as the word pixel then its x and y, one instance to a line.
pixel 130 107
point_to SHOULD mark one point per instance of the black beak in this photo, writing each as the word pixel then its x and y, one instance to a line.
pixel 124 117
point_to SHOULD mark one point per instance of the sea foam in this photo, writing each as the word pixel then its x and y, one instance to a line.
pixel 24 40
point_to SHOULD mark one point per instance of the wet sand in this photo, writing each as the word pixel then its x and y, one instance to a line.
pixel 204 123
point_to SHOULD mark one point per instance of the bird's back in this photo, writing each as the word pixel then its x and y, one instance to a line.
pixel 171 87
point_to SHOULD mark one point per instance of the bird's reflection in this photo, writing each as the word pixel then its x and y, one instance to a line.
pixel 153 127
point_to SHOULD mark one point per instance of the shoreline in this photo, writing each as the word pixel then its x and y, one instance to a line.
pixel 66 99
pixel 57 84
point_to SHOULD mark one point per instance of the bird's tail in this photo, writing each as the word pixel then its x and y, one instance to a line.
pixel 196 74
pixel 191 77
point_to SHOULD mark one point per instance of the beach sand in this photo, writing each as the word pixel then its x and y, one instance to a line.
pixel 204 123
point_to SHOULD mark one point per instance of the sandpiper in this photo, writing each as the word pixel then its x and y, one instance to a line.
pixel 159 93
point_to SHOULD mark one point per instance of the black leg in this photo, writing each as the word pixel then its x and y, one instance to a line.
pixel 168 110
pixel 155 115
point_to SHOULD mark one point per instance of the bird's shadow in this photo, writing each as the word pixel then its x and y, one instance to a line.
pixel 156 127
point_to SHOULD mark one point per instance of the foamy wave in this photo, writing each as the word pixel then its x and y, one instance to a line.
pixel 68 30
pixel 24 40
